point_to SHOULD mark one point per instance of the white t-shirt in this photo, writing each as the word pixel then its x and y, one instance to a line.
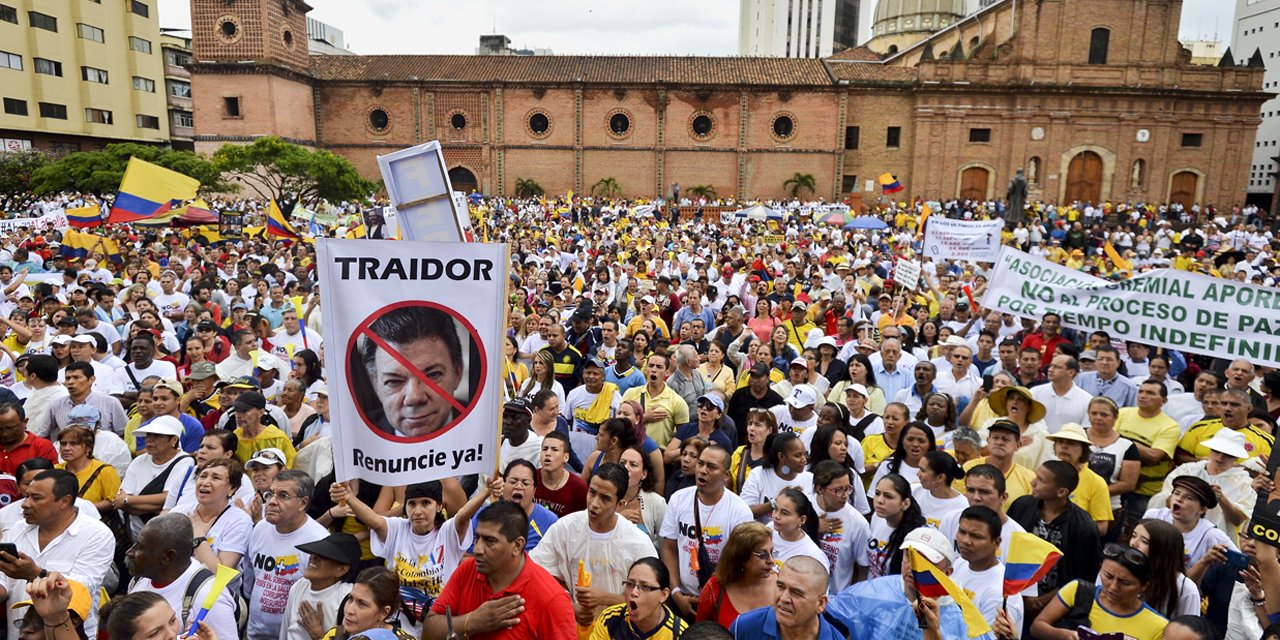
pixel 951 524
pixel 717 522
pixel 171 304
pixel 787 424
pixel 270 568
pixel 423 563
pixel 845 546
pixel 328 601
pixel 577 403
pixel 104 329
pixel 1199 540
pixel 764 485
pixel 986 589
pixel 161 368
pixel 908 472
pixel 608 556
pixel 784 550
pixel 878 550
pixel 230 532
pixel 221 618
pixel 181 489
pixel 281 342
pixel 142 471
pixel 935 509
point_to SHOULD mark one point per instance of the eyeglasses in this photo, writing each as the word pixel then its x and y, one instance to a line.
pixel 839 493
pixel 267 496
pixel 519 483
pixel 628 585
pixel 1124 555
pixel 767 556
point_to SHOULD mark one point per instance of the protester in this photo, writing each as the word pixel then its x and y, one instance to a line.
pixel 161 561
pixel 275 562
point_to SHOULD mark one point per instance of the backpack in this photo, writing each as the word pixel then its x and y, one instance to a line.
pixel 197 582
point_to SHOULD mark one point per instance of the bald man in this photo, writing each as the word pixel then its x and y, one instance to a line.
pixel 796 614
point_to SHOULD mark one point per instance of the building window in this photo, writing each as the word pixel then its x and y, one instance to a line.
pixel 539 123
pixel 183 119
pixel 48 67
pixel 619 124
pixel 1098 45
pixel 458 121
pixel 231 106
pixel 97 115
pixel 8 14
pixel 851 139
pixel 51 110
pixel 784 126
pixel 10 61
pixel 379 120
pixel 180 89
pixel 15 107
pixel 43 21
pixel 143 84
pixel 848 184
pixel 148 122
pixel 139 8
pixel 979 135
pixel 893 137
pixel 138 44
pixel 89 74
pixel 1192 139
pixel 702 126
pixel 89 32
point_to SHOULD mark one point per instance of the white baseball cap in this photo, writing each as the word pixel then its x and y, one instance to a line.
pixel 931 543
pixel 802 396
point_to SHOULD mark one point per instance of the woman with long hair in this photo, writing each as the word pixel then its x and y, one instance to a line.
pixel 514 372
pixel 641 504
pixel 640 339
pixel 1117 600
pixel 860 372
pixel 794 524
pixel 938 412
pixel 644 614
pixel 306 367
pixel 896 515
pixel 783 466
pixel 631 410
pixel 783 352
pixel 543 377
pixel 616 435
pixel 761 423
pixel 763 322
pixel 914 441
pixel 145 615
pixel 936 498
pixel 744 577
pixel 373 603
pixel 843 532
pixel 878 447
pixel 685 476
pixel 719 374
pixel 1171 593
pixel 830 442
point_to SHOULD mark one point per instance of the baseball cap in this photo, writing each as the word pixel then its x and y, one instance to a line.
pixel 647 299
pixel 342 548
pixel 80 604
pixel 250 400
pixel 88 416
pixel 802 396
pixel 856 388
pixel 322 389
pixel 172 385
pixel 202 371
pixel 518 404
pixel 760 369
pixel 713 399
pixel 1088 354
pixel 207 325
pixel 244 382
pixel 84 338
pixel 239 305
pixel 268 361
pixel 593 361
pixel 1006 425
pixel 800 362
pixel 931 544
pixel 266 456
pixel 163 426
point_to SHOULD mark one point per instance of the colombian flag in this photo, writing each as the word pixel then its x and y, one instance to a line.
pixel 80 245
pixel 1030 558
pixel 890 184
pixel 277 224
pixel 148 190
pixel 83 217
pixel 924 216
pixel 931 582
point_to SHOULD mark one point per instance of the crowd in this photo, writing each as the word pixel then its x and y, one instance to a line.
pixel 704 435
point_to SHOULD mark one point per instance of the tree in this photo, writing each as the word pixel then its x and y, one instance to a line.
pixel 100 172
pixel 607 188
pixel 528 188
pixel 800 181
pixel 701 191
pixel 17 170
pixel 287 173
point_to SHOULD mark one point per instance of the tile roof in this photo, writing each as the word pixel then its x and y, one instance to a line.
pixel 692 70
pixel 871 72
pixel 857 53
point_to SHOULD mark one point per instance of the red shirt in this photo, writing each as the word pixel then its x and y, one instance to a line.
pixel 33 447
pixel 548 612
pixel 567 499
pixel 1036 341
pixel 714 604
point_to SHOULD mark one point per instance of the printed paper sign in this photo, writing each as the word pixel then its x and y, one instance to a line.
pixel 906 274
pixel 949 239
pixel 415 330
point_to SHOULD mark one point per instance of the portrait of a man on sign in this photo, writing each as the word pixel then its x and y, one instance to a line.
pixel 410 371
pixel 375 224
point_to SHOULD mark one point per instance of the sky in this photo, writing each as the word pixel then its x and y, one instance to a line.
pixel 607 27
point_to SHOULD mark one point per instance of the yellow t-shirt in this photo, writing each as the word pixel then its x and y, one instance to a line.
pixel 1160 432
pixel 104 487
pixel 271 436
pixel 874 449
pixel 735 466
pixel 1092 495
pixel 637 323
pixel 677 411
pixel 1256 442
pixel 1145 624
pixel 1017 481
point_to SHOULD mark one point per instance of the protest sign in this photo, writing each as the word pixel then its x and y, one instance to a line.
pixel 418 186
pixel 945 238
pixel 414 334
pixel 906 274
pixel 726 217
pixel 230 225
pixel 1164 307
pixel 773 240
pixel 1264 523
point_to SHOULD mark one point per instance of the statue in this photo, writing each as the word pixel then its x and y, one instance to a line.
pixel 1017 198
pixel 1135 178
pixel 1033 171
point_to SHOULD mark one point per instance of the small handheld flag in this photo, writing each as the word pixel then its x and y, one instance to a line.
pixel 1030 559
pixel 220 581
pixel 84 217
pixel 890 184
pixel 924 216
pixel 277 225
pixel 932 582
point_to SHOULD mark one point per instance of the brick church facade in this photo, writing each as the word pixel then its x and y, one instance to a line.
pixel 1095 99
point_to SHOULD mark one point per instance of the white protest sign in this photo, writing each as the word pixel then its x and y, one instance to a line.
pixel 949 239
pixel 906 274
pixel 414 332
pixel 418 186
pixel 1163 307
pixel 726 217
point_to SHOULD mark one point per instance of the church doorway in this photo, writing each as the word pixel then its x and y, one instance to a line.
pixel 1182 188
pixel 973 183
pixel 1084 178
pixel 463 180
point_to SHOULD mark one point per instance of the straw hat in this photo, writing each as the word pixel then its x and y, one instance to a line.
pixel 997 401
pixel 1070 432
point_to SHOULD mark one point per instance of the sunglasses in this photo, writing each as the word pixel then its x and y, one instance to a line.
pixel 1124 555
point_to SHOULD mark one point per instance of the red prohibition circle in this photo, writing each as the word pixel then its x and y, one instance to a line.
pixel 475 337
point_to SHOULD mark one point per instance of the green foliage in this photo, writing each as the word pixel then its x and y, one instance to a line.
pixel 799 182
pixel 607 188
pixel 17 170
pixel 701 191
pixel 287 172
pixel 528 188
pixel 100 172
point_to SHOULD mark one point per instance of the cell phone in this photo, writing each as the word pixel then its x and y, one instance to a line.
pixel 988 381
pixel 9 548
pixel 1233 557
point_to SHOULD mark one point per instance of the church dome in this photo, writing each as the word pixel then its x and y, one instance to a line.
pixel 915 15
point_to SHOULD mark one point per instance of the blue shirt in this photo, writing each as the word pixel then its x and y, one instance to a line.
pixel 892 383
pixel 762 624
pixel 633 378
pixel 686 314
pixel 1120 389
pixel 192 434
pixel 539 522
pixel 690 430
pixel 275 316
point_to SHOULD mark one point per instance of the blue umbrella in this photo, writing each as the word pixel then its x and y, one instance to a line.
pixel 867 222
pixel 758 212
pixel 475 197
